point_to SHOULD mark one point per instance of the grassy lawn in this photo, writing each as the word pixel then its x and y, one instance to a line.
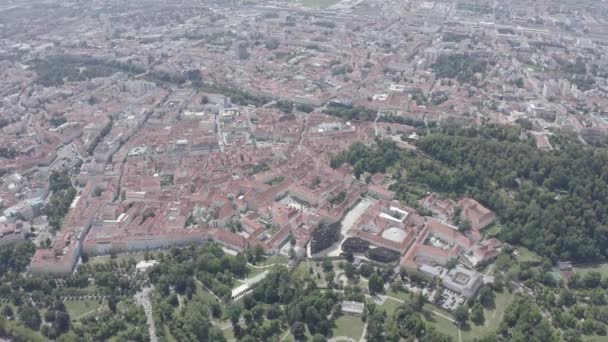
pixel 120 257
pixel 349 326
pixel 390 305
pixel 229 334
pixel 493 317
pixel 167 334
pixel 493 230
pixel 204 294
pixel 77 308
pixel 253 271
pixel 318 3
pixel 526 255
pixel 602 269
pixel 274 259
pixel 301 272
pixel 18 330
pixel 441 324
pixel 405 296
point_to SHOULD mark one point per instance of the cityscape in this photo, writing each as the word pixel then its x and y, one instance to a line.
pixel 303 170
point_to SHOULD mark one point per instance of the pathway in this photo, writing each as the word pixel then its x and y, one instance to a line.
pixel 264 266
pixel 342 339
pixel 143 298
pixel 285 335
pixel 208 290
pixel 85 314
pixel 363 334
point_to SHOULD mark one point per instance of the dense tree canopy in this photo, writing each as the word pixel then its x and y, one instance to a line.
pixel 553 202
pixel 523 321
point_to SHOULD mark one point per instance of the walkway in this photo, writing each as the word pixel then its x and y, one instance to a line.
pixel 143 298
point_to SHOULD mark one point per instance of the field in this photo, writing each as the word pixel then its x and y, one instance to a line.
pixel 526 255
pixel 349 326
pixel 442 325
pixel 274 259
pixel 493 317
pixel 601 268
pixel 390 305
pixel 493 230
pixel 77 308
pixel 204 294
pixel 253 271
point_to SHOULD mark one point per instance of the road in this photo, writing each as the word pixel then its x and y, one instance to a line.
pixel 143 298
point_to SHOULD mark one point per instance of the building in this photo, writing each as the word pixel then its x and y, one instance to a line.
pixel 352 308
pixel 11 233
pixel 438 206
pixel 61 259
pixel 472 211
pixel 145 265
pixel 462 280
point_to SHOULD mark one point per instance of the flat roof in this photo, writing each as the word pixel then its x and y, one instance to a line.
pixel 394 234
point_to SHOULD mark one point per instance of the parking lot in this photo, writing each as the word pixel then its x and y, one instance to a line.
pixel 450 300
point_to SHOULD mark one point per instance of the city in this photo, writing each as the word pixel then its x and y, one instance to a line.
pixel 323 170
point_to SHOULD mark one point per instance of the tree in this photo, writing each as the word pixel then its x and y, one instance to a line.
pixel 48 331
pixel 486 297
pixel 566 297
pixel 477 314
pixel 375 327
pixel 397 285
pixel 298 330
pixel 242 51
pixel 350 271
pixel 7 311
pixel 274 311
pixel 30 316
pixel 523 321
pixel 112 304
pixel 461 314
pixel 349 256
pixel 420 300
pixel 62 322
pixel 258 312
pixel 216 335
pixel 196 323
pixel 592 279
pixel 376 284
pixel 464 226
pixel 49 316
pixel 258 253
pixel 597 297
pixel 248 316
pixel 366 270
